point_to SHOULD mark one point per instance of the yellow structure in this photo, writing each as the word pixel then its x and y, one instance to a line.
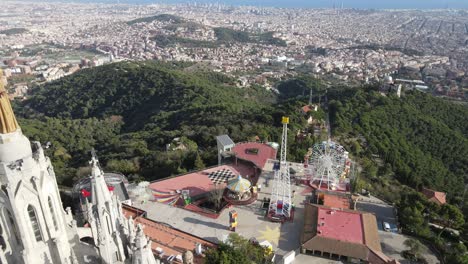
pixel 285 120
pixel 232 220
pixel 8 123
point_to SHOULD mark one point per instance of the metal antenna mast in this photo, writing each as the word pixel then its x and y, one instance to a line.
pixel 280 203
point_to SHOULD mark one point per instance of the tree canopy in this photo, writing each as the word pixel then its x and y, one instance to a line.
pixel 130 111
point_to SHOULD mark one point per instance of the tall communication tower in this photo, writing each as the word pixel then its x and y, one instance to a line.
pixel 280 201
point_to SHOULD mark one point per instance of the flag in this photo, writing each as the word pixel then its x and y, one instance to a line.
pixel 85 193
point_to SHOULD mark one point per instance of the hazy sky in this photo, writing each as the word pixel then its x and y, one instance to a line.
pixel 320 3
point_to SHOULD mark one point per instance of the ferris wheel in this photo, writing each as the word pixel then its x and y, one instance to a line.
pixel 329 165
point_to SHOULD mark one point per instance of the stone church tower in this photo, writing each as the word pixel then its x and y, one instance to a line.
pixel 142 253
pixel 32 220
pixel 34 228
pixel 113 234
pixel 105 218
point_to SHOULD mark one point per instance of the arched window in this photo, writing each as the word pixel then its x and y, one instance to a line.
pixel 34 223
pixel 52 212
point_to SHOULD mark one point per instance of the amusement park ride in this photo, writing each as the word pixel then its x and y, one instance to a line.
pixel 329 166
pixel 280 201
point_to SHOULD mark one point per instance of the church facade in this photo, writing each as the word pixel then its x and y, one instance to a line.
pixel 34 227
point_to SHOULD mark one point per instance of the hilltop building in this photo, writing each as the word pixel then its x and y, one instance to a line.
pixel 342 234
pixel 34 226
pixel 434 196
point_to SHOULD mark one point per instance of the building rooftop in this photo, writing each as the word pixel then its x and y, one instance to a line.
pixel 306 109
pixel 343 232
pixel 341 225
pixel 225 140
pixel 252 222
pixel 255 152
pixel 336 201
pixel 197 182
pixel 166 239
pixel 435 196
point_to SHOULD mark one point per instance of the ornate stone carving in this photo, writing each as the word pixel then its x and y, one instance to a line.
pixel 8 123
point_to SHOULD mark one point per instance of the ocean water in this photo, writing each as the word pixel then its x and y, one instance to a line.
pixel 366 4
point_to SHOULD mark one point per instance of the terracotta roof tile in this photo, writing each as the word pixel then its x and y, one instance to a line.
pixel 369 249
pixel 172 241
pixel 435 196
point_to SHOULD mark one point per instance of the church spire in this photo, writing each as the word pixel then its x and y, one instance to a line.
pixel 8 122
pixel 142 252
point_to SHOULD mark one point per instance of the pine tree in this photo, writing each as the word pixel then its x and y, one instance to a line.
pixel 198 164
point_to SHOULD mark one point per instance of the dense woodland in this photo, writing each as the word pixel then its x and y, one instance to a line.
pixel 423 139
pixel 13 31
pixel 130 111
pixel 223 35
pixel 161 17
pixel 405 144
pixel 227 35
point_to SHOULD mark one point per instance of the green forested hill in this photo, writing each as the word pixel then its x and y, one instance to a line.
pixel 417 141
pixel 142 106
pixel 160 17
pixel 149 94
pixel 130 111
pixel 422 138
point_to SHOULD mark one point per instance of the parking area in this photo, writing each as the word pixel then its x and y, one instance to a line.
pixel 391 242
pixel 392 246
pixel 384 212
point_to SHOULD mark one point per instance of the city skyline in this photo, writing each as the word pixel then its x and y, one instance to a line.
pixel 359 4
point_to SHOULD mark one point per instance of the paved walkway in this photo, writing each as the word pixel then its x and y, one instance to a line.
pixel 251 218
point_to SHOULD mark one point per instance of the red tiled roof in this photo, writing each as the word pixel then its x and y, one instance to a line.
pixel 264 153
pixel 172 241
pixel 345 232
pixel 340 225
pixel 132 211
pixel 306 109
pixel 437 197
pixel 335 201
